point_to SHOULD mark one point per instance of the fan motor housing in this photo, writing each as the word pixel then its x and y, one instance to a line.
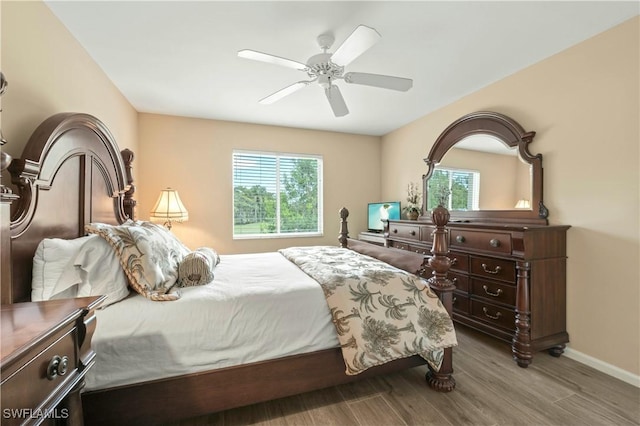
pixel 321 67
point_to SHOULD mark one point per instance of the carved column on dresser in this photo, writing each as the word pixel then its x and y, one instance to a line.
pixel 521 346
pixel 442 380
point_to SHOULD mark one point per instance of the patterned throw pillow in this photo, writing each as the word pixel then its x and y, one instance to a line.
pixel 149 255
pixel 197 267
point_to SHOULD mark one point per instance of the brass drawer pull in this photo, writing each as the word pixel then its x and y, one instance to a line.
pixel 496 294
pixel 395 231
pixel 486 313
pixel 455 299
pixel 413 233
pixel 489 271
pixel 57 366
pixel 494 242
pixel 460 238
pixel 454 261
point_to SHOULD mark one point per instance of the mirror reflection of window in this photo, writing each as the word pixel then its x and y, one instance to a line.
pixel 455 189
pixel 505 177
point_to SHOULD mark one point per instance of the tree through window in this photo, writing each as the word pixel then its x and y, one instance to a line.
pixel 276 194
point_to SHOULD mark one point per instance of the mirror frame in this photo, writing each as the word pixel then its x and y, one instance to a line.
pixel 511 134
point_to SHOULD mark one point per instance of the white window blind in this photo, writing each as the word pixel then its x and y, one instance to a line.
pixel 276 194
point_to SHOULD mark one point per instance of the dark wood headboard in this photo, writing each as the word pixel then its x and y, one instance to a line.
pixel 71 172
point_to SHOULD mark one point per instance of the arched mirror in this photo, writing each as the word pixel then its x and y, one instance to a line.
pixel 481 169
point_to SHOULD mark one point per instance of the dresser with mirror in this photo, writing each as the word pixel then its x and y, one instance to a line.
pixel 508 263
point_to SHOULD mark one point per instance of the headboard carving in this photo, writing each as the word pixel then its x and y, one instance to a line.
pixel 129 203
pixel 70 173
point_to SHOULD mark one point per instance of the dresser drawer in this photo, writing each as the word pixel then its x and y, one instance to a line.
pixel 407 232
pixel 28 386
pixel 461 303
pixel 459 261
pixel 460 281
pixel 494 242
pixel 493 314
pixel 495 269
pixel 426 234
pixel 496 291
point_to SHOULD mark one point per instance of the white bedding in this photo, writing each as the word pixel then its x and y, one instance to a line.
pixel 258 307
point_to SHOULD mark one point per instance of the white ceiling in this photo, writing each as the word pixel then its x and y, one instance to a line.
pixel 180 58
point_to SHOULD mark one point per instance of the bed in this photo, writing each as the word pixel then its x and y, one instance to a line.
pixel 71 173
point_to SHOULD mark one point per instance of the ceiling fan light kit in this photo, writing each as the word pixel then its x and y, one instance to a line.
pixel 325 68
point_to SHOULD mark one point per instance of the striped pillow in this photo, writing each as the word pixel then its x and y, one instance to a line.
pixel 197 267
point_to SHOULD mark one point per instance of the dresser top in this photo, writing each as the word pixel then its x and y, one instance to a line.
pixel 504 226
pixel 26 324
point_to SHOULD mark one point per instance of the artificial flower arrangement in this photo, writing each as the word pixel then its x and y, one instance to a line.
pixel 413 207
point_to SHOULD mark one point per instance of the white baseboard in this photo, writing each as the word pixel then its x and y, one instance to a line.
pixel 603 367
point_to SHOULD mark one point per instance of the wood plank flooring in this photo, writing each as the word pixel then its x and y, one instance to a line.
pixel 491 390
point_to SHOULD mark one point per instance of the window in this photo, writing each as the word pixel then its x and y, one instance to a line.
pixel 454 188
pixel 276 195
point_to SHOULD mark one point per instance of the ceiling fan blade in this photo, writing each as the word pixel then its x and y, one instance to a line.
pixel 336 101
pixel 378 80
pixel 271 59
pixel 284 92
pixel 360 40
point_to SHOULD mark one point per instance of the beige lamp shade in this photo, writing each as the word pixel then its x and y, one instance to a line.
pixel 169 208
pixel 523 204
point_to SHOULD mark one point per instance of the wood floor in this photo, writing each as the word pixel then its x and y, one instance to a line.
pixel 491 390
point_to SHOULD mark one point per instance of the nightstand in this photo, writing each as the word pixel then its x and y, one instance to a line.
pixel 46 352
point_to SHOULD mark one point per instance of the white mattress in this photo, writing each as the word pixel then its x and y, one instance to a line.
pixel 258 307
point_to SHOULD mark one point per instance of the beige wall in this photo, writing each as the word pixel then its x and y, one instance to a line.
pixel 584 105
pixel 194 157
pixel 50 72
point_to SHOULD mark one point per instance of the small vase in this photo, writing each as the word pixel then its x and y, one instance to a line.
pixel 413 214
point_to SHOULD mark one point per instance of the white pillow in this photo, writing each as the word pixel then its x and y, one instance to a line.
pixel 52 255
pixel 93 271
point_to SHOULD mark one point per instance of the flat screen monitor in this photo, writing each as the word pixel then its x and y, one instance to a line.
pixel 379 211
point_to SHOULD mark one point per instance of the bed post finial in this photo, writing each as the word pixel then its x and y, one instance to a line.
pixel 343 236
pixel 129 204
pixel 442 380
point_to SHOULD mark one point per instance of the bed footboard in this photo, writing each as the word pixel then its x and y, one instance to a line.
pixel 439 263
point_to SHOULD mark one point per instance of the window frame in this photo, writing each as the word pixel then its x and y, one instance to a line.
pixel 278 155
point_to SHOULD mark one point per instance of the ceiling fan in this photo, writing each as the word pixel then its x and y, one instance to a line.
pixel 325 68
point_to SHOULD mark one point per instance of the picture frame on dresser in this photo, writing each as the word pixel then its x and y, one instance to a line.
pixel 508 264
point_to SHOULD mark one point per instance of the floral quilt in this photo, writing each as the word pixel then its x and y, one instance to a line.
pixel 381 313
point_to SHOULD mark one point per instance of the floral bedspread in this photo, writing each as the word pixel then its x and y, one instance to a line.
pixel 381 313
